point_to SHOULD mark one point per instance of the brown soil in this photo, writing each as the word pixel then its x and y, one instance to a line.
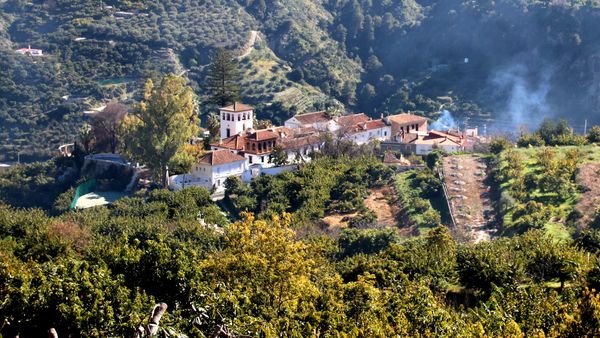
pixel 333 221
pixel 380 201
pixel 468 194
pixel 589 178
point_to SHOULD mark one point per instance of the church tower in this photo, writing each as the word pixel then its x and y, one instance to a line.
pixel 235 119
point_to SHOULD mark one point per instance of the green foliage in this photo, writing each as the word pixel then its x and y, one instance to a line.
pixel 279 156
pixel 532 215
pixel 98 272
pixel 538 187
pixel 552 134
pixel 38 184
pixel 433 158
pixel 365 241
pixel 222 80
pixel 531 140
pixel 499 145
pixel 161 124
pixel 416 191
pixel 486 265
pixel 593 135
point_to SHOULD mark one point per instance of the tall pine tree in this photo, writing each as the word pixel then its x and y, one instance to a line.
pixel 222 80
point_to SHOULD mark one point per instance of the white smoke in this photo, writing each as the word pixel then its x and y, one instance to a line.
pixel 527 103
pixel 444 122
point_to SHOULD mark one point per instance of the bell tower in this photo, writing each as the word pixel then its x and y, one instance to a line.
pixel 235 119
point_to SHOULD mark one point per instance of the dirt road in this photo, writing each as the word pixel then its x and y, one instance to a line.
pixel 589 178
pixel 468 194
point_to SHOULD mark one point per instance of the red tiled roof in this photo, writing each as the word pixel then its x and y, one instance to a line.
pixel 236 107
pixel 407 118
pixel 348 120
pixel 310 118
pixel 264 134
pixel 235 142
pixel 440 134
pixel 217 157
pixel 369 125
pixel 438 137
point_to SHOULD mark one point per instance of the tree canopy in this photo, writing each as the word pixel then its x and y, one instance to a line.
pixel 161 124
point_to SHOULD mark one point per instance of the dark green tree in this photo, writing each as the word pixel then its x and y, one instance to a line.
pixel 222 80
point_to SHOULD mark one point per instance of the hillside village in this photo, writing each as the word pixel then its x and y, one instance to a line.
pixel 246 152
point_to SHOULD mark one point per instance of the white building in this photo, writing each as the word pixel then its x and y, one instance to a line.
pixel 365 132
pixel 211 171
pixel 235 119
pixel 423 145
pixel 29 51
pixel 318 120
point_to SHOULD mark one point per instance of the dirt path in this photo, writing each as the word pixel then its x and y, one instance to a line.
pixel 379 202
pixel 589 178
pixel 249 45
pixel 469 195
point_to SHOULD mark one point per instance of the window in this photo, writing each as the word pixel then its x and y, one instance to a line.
pixel 253 146
pixel 260 147
pixel 244 126
pixel 262 159
pixel 250 159
pixel 223 116
pixel 228 132
pixel 239 117
pixel 385 133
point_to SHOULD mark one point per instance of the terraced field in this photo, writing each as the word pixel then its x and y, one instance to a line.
pixel 469 196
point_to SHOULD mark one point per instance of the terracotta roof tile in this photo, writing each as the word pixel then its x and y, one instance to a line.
pixel 236 107
pixel 438 137
pixel 235 142
pixel 217 157
pixel 407 118
pixel 315 117
pixel 348 120
pixel 368 125
pixel 264 134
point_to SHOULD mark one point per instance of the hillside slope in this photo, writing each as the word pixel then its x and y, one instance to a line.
pixel 503 63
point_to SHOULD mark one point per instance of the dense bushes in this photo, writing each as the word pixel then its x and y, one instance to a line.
pixel 323 185
pixel 537 186
pixel 416 190
pixel 98 273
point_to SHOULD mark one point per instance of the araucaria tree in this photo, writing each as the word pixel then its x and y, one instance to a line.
pixel 222 80
pixel 161 124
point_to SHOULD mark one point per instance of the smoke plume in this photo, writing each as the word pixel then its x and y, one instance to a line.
pixel 444 122
pixel 527 97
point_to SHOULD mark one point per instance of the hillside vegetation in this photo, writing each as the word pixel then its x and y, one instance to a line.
pixel 374 56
